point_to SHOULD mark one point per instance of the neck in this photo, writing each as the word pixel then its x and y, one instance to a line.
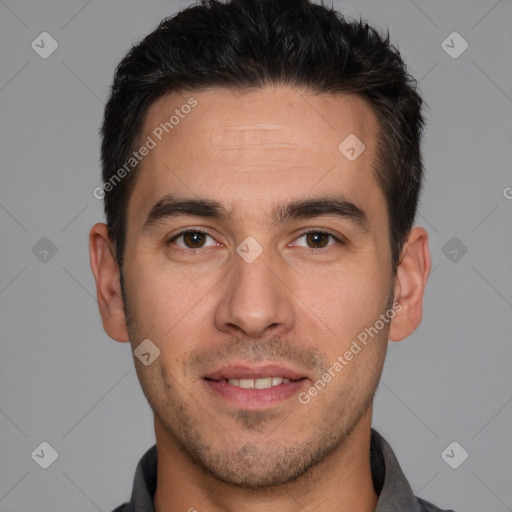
pixel 341 481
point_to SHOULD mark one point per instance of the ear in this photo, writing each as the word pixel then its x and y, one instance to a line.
pixel 108 288
pixel 410 282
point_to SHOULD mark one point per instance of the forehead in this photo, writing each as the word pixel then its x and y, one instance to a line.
pixel 255 149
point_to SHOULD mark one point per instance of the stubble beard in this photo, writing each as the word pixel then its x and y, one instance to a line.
pixel 262 462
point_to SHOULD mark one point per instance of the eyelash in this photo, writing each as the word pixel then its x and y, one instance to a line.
pixel 303 233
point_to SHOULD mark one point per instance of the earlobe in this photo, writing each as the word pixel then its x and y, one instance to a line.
pixel 108 289
pixel 410 282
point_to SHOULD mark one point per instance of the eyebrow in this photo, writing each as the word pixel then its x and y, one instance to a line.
pixel 170 206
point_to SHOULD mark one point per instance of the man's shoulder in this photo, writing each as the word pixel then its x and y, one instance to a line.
pixel 122 508
pixel 425 506
pixel 390 483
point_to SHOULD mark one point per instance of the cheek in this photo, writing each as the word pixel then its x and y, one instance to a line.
pixel 165 300
pixel 347 299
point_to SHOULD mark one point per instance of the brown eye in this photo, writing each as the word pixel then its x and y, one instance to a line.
pixel 318 239
pixel 192 240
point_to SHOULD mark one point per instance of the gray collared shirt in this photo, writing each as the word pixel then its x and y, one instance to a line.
pixel 395 493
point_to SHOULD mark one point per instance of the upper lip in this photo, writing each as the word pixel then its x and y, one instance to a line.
pixel 241 371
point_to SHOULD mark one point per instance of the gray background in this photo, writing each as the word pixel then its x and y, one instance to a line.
pixel 63 381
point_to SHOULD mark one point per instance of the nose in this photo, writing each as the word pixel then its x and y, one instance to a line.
pixel 254 300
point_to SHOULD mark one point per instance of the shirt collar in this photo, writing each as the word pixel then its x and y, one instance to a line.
pixel 395 493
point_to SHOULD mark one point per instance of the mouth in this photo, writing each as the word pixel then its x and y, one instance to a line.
pixel 255 387
pixel 261 383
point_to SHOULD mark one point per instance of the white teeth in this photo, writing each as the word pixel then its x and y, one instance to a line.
pixel 263 383
pixel 246 383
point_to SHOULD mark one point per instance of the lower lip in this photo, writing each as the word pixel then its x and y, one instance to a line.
pixel 255 398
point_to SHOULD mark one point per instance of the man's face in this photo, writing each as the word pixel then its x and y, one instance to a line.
pixel 251 294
